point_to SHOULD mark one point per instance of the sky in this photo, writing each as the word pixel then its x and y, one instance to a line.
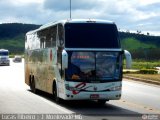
pixel 132 15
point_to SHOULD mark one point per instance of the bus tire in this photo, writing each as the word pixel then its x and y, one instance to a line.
pixel 30 83
pixel 55 96
pixel 33 85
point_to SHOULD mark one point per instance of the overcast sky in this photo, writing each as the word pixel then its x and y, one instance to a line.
pixel 142 15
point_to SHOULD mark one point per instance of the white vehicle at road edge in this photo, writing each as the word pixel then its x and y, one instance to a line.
pixel 17 58
pixel 4 57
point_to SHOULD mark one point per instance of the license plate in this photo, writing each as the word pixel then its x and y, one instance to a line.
pixel 94 96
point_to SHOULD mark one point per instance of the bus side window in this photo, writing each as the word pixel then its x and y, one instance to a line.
pixel 53 32
pixel 42 37
pixel 42 42
pixel 48 37
pixel 60 45
pixel 60 35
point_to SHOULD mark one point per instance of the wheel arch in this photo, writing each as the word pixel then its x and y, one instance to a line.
pixel 54 84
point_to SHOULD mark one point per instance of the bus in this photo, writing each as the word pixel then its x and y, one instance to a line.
pixel 4 57
pixel 78 59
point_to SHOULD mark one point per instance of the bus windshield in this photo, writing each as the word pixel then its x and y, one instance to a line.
pixel 91 35
pixel 3 53
pixel 93 66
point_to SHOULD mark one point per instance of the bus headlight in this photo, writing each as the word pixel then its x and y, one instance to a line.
pixel 71 88
pixel 116 88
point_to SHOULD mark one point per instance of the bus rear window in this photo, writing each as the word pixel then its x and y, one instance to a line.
pixel 91 35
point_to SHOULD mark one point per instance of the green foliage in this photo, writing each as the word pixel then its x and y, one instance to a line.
pixel 141 71
pixel 129 72
pixel 145 47
pixel 134 44
pixel 153 77
pixel 11 56
pixel 153 40
pixel 148 71
pixel 146 54
pixel 141 46
pixel 12 30
pixel 15 45
pixel 141 64
pixel 12 36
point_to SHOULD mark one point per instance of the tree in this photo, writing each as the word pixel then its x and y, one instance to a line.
pixel 138 32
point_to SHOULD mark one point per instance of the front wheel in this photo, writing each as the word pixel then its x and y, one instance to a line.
pixel 33 85
pixel 56 98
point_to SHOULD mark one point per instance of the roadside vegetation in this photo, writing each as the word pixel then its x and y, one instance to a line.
pixel 12 36
pixel 144 64
pixel 155 77
pixel 145 49
pixel 144 70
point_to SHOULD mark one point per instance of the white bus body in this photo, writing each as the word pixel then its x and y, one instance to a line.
pixel 75 60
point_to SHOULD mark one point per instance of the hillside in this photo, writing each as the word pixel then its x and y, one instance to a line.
pixel 141 46
pixel 146 40
pixel 12 36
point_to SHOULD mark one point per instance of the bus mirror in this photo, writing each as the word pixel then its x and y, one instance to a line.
pixel 64 60
pixel 128 59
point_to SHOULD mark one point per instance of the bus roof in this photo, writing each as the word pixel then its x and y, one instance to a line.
pixel 3 50
pixel 71 21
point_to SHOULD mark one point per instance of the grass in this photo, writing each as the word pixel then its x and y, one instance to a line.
pixel 14 45
pixel 134 44
pixel 155 77
pixel 142 64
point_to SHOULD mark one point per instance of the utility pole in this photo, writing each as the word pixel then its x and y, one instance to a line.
pixel 70 9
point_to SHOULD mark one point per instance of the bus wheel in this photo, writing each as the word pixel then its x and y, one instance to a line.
pixel 56 98
pixel 101 102
pixel 30 82
pixel 33 85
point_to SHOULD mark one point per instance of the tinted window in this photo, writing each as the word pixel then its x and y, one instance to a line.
pixel 81 65
pixel 61 34
pixel 91 35
pixel 3 53
pixel 106 64
pixel 48 37
pixel 93 66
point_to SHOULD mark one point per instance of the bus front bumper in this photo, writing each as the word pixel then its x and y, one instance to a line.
pixel 110 95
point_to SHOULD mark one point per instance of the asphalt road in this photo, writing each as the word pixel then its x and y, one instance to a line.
pixel 138 99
